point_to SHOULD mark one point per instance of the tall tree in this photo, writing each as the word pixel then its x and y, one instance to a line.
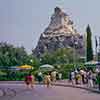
pixel 10 55
pixel 89 50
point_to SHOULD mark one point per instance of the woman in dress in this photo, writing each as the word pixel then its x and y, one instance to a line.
pixel 47 80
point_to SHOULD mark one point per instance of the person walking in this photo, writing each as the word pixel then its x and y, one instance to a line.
pixel 47 80
pixel 69 77
pixel 90 79
pixel 40 77
pixel 53 76
pixel 60 76
pixel 98 80
pixel 82 72
pixel 78 78
pixel 73 77
pixel 30 81
pixel 94 79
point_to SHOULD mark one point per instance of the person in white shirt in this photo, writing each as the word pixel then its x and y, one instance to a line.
pixel 60 76
pixel 73 77
pixel 53 76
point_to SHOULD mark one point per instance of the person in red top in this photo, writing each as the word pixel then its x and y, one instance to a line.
pixel 29 80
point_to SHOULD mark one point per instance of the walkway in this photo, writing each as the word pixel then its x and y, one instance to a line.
pixel 40 92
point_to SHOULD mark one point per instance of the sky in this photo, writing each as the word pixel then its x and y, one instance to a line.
pixel 22 21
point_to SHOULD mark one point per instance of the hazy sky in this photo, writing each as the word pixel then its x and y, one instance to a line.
pixel 22 21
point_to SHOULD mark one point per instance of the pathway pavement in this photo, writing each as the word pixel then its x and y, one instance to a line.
pixel 64 91
pixel 41 92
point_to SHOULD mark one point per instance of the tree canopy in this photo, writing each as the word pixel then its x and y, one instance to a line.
pixel 60 56
pixel 89 50
pixel 15 56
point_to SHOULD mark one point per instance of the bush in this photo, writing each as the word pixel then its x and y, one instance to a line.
pixel 20 75
pixel 13 76
pixel 66 68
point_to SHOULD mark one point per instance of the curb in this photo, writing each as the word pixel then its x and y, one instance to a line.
pixel 74 86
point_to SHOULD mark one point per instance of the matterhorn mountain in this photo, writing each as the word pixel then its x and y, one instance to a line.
pixel 60 33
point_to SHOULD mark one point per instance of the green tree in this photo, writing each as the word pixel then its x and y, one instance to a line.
pixel 33 61
pixel 47 58
pixel 89 50
pixel 64 55
pixel 10 55
pixel 60 56
pixel 99 56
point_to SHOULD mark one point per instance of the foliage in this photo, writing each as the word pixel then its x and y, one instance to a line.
pixel 66 68
pixel 33 61
pixel 20 75
pixel 60 56
pixel 47 58
pixel 11 56
pixel 13 75
pixel 89 52
pixel 99 56
pixel 15 56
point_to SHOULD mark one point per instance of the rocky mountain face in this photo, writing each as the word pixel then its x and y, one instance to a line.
pixel 60 33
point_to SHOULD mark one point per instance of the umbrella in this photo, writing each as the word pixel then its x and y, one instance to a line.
pixel 98 63
pixel 46 67
pixel 25 67
pixel 91 62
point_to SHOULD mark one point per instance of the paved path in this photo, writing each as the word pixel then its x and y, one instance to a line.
pixel 40 92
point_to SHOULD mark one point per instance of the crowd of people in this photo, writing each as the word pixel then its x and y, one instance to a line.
pixel 90 78
pixel 47 78
pixel 85 76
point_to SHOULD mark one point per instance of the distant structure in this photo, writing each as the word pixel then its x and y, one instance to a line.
pixel 60 33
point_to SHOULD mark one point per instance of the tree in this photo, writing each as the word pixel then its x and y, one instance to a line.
pixel 33 61
pixel 60 56
pixel 11 56
pixel 64 55
pixel 89 50
pixel 47 58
